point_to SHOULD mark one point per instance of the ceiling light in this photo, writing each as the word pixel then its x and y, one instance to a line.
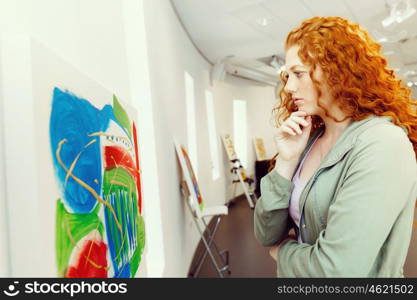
pixel 388 21
pixel 410 12
pixel 409 84
pixel 263 21
pixel 400 10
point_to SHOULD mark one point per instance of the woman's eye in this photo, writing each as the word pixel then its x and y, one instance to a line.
pixel 298 74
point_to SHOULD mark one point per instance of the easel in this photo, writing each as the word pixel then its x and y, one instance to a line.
pixel 239 172
pixel 246 182
pixel 192 196
pixel 207 236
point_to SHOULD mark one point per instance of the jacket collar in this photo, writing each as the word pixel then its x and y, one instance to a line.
pixel 346 140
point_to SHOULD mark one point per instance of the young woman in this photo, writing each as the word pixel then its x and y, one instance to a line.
pixel 345 176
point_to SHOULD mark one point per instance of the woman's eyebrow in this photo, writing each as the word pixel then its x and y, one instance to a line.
pixel 295 66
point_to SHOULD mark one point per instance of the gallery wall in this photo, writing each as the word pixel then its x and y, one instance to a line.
pixel 170 54
pixel 4 234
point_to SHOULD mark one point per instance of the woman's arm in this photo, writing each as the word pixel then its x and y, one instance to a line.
pixel 272 221
pixel 271 212
pixel 381 181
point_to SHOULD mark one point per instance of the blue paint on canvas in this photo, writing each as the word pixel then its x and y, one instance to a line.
pixel 74 119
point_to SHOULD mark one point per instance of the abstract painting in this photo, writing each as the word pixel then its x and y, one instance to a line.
pixel 99 225
pixel 189 176
pixel 229 147
pixel 260 149
pixel 231 153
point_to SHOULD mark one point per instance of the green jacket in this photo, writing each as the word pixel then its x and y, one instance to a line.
pixel 356 210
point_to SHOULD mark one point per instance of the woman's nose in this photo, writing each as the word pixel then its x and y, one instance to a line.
pixel 290 86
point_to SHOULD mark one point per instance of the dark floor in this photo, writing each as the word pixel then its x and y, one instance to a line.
pixel 247 258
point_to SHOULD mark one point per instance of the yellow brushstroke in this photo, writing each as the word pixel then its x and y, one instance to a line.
pixel 84 185
pixel 90 143
pixel 119 183
pixel 71 169
pixel 121 247
pixel 76 246
pixel 91 245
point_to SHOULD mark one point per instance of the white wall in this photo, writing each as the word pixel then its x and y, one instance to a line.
pixel 260 101
pixel 87 33
pixel 170 54
pixel 4 234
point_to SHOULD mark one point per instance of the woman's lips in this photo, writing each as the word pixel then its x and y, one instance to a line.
pixel 298 100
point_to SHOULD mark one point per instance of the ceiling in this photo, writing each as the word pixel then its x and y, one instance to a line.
pixel 258 28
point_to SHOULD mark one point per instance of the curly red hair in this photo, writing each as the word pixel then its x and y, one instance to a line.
pixel 355 71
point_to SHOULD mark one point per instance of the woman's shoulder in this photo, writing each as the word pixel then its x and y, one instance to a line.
pixel 382 130
pixel 386 139
pixel 384 147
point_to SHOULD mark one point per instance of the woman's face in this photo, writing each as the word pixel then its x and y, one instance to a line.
pixel 300 85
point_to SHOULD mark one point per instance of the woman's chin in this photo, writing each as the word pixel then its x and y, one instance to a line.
pixel 308 110
pixel 301 108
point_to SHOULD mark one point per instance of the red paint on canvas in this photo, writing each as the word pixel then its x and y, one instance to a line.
pixel 91 263
pixel 135 140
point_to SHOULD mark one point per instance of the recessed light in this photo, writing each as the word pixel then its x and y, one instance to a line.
pixel 263 21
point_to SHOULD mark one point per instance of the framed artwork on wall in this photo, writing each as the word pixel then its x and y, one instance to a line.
pixel 260 148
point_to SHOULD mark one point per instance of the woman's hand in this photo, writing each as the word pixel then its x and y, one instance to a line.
pixel 292 135
pixel 274 250
pixel 291 139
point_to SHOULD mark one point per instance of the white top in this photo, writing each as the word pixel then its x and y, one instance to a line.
pixel 299 185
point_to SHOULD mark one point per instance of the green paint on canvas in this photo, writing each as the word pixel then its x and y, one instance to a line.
pixel 71 228
pixel 118 179
pixel 119 189
pixel 121 116
pixel 137 255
